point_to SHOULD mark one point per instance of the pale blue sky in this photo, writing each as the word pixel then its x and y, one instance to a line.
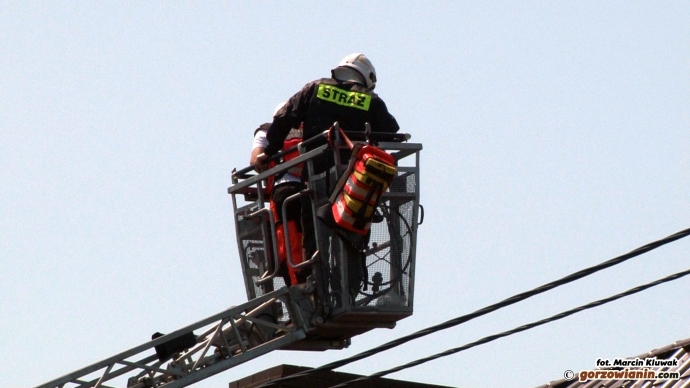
pixel 556 135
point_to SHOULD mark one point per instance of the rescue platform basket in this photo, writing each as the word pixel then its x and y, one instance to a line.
pixel 356 282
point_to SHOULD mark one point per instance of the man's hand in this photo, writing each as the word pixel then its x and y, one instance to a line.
pixel 260 163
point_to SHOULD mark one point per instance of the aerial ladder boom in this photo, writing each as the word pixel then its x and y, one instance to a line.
pixel 181 358
pixel 356 284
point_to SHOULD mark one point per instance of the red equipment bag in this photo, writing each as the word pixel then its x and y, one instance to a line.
pixel 353 203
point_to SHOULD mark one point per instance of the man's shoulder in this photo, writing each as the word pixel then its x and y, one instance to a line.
pixel 315 83
pixel 262 128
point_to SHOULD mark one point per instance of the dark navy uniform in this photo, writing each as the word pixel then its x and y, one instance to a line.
pixel 321 103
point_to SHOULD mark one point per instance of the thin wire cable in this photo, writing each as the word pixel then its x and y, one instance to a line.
pixel 486 310
pixel 517 329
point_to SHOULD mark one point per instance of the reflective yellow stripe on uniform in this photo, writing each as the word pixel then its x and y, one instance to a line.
pixel 344 97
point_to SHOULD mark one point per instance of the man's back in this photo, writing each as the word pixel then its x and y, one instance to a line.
pixel 322 102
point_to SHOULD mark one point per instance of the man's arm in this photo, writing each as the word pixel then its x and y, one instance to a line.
pixel 255 152
pixel 384 121
pixel 259 146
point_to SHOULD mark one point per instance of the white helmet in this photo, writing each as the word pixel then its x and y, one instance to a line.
pixel 281 105
pixel 362 65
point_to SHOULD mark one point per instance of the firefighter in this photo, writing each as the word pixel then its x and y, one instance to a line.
pixel 346 97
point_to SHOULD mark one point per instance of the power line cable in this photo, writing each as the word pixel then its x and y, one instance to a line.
pixel 486 310
pixel 517 329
